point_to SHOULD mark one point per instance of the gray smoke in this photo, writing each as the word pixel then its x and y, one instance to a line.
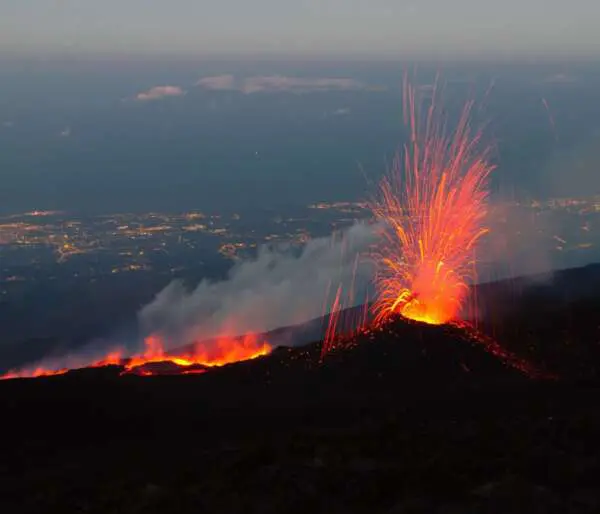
pixel 517 243
pixel 535 240
pixel 279 287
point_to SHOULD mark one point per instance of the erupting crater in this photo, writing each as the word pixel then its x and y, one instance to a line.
pixel 431 210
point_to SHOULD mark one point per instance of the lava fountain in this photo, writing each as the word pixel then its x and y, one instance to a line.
pixel 432 208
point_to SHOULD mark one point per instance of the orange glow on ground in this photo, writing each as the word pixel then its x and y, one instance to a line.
pixel 35 373
pixel 226 350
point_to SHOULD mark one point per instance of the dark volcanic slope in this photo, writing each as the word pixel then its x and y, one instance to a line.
pixel 403 360
pixel 380 361
pixel 429 356
pixel 409 418
pixel 553 319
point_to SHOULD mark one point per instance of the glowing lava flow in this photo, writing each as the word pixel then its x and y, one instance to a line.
pixel 225 350
pixel 50 371
pixel 34 373
pixel 432 210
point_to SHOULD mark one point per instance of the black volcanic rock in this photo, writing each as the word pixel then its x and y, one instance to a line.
pixel 380 362
pixel 439 355
pixel 403 418
pixel 166 368
pixel 552 319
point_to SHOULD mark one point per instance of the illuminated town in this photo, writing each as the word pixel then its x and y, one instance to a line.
pixel 63 244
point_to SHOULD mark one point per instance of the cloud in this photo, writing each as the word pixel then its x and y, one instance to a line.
pixel 298 84
pixel 274 83
pixel 218 82
pixel 158 92
pixel 279 287
pixel 344 111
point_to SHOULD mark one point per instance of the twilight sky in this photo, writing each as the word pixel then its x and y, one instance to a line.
pixel 400 27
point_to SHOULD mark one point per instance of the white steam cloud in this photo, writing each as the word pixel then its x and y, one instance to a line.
pixel 277 288
pixel 158 92
pixel 280 83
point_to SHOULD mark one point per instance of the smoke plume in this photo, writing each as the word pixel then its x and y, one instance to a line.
pixel 279 287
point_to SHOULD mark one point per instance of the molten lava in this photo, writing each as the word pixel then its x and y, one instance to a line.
pixel 432 210
pixel 225 350
pixel 34 373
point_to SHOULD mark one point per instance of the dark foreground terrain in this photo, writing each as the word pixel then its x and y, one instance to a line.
pixel 405 419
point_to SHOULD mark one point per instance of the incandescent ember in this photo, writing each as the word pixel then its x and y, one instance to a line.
pixel 432 209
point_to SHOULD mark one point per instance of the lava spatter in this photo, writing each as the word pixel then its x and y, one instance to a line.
pixel 432 210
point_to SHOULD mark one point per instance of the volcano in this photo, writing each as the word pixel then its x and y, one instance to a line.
pixel 405 417
pixel 406 350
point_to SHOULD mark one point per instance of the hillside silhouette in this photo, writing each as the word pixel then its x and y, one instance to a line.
pixel 406 417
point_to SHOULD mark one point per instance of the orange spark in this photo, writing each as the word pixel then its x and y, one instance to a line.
pixel 432 209
pixel 343 322
pixel 332 324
